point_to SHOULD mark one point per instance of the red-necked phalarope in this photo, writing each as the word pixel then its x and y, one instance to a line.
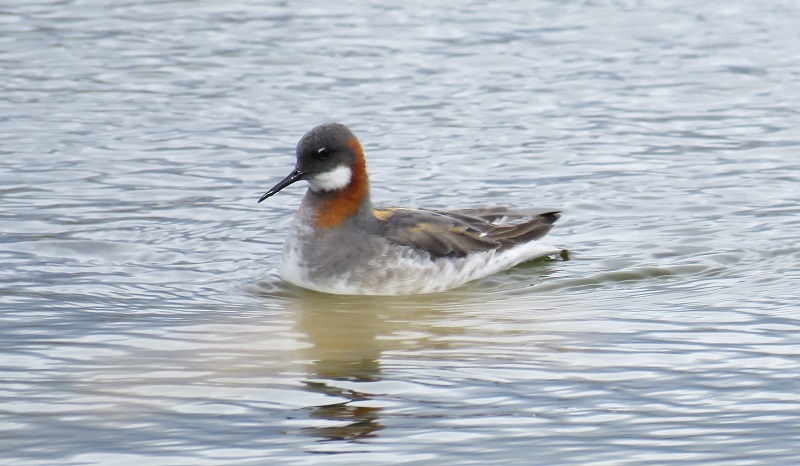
pixel 340 243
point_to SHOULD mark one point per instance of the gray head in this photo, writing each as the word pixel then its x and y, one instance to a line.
pixel 328 157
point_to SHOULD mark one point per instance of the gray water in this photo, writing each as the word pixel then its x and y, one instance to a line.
pixel 142 318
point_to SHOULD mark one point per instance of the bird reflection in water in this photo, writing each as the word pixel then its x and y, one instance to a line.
pixel 343 332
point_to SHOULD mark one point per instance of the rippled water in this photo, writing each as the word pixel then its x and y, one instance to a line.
pixel 142 318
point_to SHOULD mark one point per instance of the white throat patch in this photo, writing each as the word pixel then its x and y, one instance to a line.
pixel 338 178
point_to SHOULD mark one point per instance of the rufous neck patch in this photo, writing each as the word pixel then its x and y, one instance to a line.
pixel 345 202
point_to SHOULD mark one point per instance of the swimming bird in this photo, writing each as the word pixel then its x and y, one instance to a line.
pixel 340 243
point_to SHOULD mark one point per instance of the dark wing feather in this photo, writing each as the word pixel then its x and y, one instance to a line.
pixel 458 233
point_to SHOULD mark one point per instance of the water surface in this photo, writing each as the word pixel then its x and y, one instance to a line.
pixel 143 319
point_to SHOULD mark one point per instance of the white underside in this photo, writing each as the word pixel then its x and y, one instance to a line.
pixel 413 272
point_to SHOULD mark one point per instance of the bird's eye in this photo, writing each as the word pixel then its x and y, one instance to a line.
pixel 323 152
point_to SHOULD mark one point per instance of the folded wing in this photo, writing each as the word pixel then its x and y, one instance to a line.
pixel 461 232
